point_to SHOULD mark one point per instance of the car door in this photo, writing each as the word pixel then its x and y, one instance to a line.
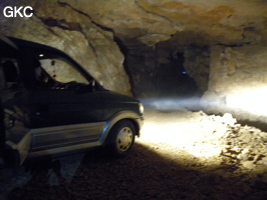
pixel 62 118
pixel 15 137
pixel 64 111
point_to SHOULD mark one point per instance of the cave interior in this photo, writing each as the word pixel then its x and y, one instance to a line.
pixel 213 51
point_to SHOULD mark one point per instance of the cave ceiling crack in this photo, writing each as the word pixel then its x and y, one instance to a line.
pixel 48 27
pixel 62 3
pixel 156 14
pixel 51 22
pixel 86 15
pixel 149 12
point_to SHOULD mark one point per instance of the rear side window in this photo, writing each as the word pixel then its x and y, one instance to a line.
pixel 54 71
pixel 9 71
pixel 62 71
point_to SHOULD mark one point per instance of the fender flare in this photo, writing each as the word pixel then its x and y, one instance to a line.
pixel 122 115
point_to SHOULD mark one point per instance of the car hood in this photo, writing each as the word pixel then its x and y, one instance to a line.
pixel 116 97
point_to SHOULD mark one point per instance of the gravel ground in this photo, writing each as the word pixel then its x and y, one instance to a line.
pixel 181 155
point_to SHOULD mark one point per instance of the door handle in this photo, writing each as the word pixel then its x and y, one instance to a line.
pixel 42 108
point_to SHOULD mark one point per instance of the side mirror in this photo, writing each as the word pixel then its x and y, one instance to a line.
pixel 93 83
pixel 92 86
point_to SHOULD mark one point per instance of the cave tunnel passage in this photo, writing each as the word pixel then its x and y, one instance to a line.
pixel 172 80
pixel 158 77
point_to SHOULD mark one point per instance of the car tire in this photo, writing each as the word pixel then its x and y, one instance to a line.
pixel 121 138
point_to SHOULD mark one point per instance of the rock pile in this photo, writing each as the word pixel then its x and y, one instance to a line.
pixel 245 147
pixel 213 139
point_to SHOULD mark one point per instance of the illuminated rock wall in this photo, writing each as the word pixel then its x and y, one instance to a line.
pixel 238 82
pixel 181 22
pixel 60 26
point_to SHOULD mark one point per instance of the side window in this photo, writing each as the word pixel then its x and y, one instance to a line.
pixel 56 73
pixel 62 71
pixel 9 73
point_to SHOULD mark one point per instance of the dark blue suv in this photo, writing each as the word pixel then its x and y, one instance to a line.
pixel 50 106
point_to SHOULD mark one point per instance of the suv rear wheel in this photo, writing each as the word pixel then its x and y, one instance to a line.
pixel 122 138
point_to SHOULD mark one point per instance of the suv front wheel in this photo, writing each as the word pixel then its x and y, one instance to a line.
pixel 122 138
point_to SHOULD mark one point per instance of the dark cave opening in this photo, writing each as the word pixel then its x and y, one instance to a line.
pixel 172 80
pixel 157 72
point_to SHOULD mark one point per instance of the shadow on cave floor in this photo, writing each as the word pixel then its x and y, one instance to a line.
pixel 144 174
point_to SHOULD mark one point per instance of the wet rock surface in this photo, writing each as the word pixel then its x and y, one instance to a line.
pixel 181 155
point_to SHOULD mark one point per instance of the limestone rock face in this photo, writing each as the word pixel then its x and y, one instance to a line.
pixel 238 81
pixel 61 26
pixel 182 22
pixel 198 58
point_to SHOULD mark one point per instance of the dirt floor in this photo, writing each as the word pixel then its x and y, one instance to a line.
pixel 180 155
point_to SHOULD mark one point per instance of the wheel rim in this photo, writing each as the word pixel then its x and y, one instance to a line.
pixel 124 139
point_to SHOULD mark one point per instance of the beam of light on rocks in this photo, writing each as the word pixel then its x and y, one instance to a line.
pixel 252 100
pixel 194 132
pixel 174 103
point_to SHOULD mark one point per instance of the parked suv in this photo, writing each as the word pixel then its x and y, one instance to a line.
pixel 50 106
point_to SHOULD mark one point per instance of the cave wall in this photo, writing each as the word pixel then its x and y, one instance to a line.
pixel 181 22
pixel 223 44
pixel 238 82
pixel 158 72
pixel 197 61
pixel 61 26
pixel 141 66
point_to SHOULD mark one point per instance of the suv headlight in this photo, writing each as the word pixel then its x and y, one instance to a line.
pixel 141 108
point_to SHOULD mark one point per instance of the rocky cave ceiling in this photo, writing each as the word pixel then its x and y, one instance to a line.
pixel 136 46
pixel 177 23
pixel 180 23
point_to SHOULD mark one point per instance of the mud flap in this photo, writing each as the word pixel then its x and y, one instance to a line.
pixel 17 139
pixel 20 150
